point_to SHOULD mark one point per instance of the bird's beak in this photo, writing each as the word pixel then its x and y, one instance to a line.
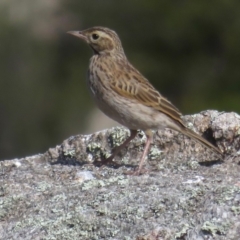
pixel 79 34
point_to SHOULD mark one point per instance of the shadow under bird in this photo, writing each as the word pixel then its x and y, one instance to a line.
pixel 125 95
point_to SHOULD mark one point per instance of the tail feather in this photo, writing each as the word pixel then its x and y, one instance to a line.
pixel 201 140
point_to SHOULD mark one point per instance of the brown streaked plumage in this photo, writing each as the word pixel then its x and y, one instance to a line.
pixel 125 95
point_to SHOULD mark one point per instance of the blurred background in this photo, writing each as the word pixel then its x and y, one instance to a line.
pixel 189 50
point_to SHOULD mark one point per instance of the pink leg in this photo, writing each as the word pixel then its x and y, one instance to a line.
pixel 116 150
pixel 145 152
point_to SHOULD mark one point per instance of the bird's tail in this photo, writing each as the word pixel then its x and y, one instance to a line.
pixel 201 140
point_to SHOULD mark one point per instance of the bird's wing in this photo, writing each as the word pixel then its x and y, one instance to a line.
pixel 138 88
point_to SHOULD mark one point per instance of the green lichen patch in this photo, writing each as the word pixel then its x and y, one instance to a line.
pixel 212 228
pixel 70 153
pixel 183 232
pixel 117 136
pixel 236 210
pixel 119 180
pixel 154 153
pixel 97 151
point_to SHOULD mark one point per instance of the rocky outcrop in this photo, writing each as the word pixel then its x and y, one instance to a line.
pixel 186 193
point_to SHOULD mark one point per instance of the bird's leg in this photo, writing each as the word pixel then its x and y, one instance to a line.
pixel 149 136
pixel 116 150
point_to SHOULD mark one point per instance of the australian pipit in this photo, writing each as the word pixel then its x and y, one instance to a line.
pixel 125 95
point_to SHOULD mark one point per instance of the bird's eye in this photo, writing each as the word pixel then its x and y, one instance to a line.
pixel 95 36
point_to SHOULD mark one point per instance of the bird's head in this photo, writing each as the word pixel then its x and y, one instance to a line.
pixel 102 40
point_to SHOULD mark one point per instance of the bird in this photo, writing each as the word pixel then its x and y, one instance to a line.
pixel 122 93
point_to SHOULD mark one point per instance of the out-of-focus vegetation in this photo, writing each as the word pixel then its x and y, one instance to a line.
pixel 190 50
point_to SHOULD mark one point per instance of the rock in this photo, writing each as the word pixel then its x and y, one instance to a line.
pixel 187 193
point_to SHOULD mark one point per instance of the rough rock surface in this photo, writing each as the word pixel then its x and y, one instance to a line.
pixel 187 192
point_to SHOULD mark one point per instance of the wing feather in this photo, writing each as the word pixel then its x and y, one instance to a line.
pixel 138 88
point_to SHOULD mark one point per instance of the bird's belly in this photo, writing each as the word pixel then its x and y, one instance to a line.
pixel 138 116
pixel 129 113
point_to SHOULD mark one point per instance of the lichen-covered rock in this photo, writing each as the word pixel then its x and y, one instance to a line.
pixel 185 194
